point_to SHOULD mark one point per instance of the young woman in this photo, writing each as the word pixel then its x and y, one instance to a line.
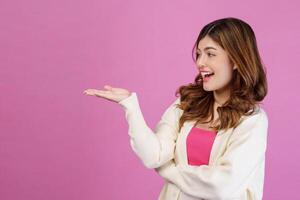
pixel 211 141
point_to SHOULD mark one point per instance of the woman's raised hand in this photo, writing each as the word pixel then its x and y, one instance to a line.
pixel 110 93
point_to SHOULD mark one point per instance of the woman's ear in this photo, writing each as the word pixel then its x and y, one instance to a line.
pixel 234 65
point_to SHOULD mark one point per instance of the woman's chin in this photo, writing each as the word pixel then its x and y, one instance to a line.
pixel 207 88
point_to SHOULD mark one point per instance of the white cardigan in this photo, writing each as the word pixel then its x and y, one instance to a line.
pixel 237 161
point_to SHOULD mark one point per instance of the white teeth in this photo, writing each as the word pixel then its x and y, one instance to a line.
pixel 206 73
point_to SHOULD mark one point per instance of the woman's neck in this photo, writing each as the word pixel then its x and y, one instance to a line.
pixel 221 96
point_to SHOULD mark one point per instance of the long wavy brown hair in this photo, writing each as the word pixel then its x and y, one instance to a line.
pixel 248 84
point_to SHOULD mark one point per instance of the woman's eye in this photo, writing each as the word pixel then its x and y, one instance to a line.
pixel 209 54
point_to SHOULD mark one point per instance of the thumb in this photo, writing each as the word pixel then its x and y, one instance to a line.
pixel 108 87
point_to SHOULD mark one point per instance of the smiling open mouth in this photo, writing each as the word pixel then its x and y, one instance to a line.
pixel 206 74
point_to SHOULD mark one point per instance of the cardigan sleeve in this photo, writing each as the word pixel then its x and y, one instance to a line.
pixel 230 175
pixel 154 148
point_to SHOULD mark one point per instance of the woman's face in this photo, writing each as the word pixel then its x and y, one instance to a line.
pixel 214 59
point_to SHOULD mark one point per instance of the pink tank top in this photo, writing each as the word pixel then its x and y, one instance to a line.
pixel 199 143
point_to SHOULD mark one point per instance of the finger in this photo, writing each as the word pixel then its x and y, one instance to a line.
pixel 112 88
pixel 108 87
pixel 86 92
pixel 104 94
pixel 100 93
pixel 93 91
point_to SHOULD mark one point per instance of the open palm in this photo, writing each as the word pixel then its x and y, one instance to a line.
pixel 110 93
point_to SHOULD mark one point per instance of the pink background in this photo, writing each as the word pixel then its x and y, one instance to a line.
pixel 57 143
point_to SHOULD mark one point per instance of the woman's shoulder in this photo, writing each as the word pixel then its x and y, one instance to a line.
pixel 258 116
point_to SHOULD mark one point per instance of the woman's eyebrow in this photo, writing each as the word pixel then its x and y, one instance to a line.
pixel 206 48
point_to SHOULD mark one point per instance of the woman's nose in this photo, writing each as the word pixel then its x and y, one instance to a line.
pixel 200 62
